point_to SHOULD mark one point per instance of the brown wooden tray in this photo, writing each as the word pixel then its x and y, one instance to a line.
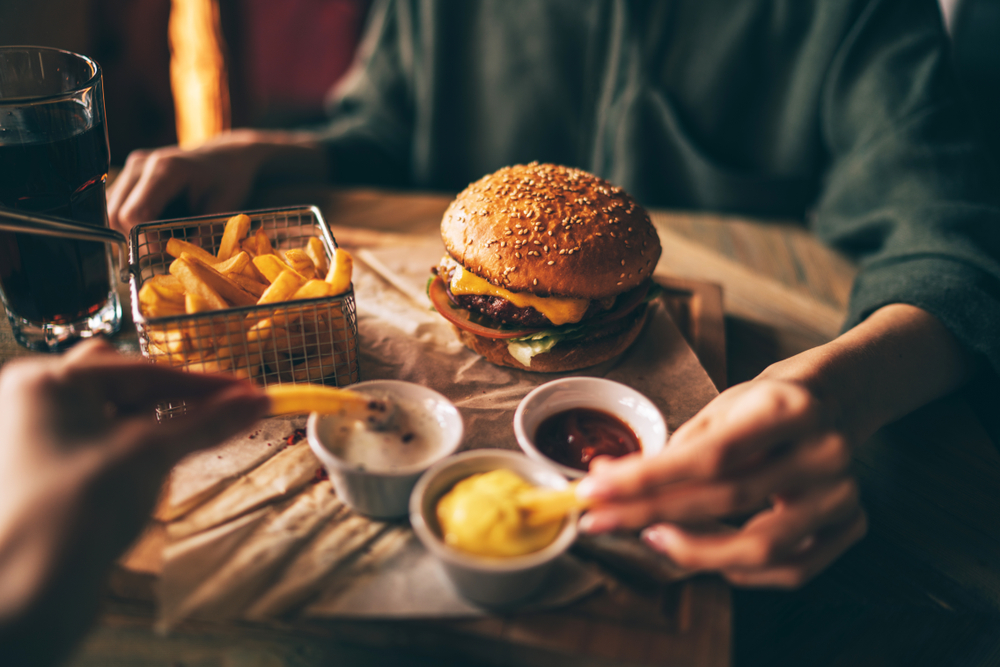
pixel 637 621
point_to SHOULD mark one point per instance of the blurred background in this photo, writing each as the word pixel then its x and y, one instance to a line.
pixel 276 60
pixel 182 70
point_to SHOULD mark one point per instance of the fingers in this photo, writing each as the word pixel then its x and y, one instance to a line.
pixel 740 428
pixel 122 187
pixel 148 182
pixel 813 463
pixel 130 383
pixel 209 421
pixel 784 545
pixel 801 568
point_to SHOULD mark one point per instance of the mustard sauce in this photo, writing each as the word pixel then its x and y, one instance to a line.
pixel 481 515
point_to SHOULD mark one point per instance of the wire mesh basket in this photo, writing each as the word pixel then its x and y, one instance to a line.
pixel 305 340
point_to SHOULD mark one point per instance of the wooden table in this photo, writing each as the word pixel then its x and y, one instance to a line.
pixel 923 588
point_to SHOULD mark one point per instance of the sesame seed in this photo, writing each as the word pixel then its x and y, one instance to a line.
pixel 535 281
pixel 619 283
pixel 534 253
pixel 623 262
pixel 562 252
pixel 507 232
pixel 546 248
pixel 550 262
pixel 622 275
pixel 598 234
pixel 518 255
pixel 503 243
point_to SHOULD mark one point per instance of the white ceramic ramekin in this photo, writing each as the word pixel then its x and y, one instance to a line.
pixel 617 399
pixel 385 494
pixel 490 582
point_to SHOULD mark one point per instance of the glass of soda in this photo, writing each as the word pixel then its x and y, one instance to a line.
pixel 54 160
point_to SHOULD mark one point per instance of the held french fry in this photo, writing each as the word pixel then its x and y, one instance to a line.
pixel 176 248
pixel 236 230
pixel 316 252
pixel 339 276
pixel 302 398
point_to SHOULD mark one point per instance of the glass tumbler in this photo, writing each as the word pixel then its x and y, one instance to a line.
pixel 54 161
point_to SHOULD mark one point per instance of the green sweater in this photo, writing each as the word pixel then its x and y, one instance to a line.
pixel 841 113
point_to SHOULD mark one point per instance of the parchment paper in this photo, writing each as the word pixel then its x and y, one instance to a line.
pixel 392 576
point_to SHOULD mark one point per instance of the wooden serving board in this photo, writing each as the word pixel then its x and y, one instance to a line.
pixel 635 620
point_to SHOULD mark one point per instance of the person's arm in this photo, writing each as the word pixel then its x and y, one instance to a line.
pixel 214 177
pixel 779 448
pixel 82 460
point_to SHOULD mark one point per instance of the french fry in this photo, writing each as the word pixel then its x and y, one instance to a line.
pixel 249 246
pixel 237 227
pixel 299 261
pixel 314 289
pixel 249 284
pixel 284 285
pixel 339 275
pixel 272 265
pixel 309 370
pixel 190 274
pixel 167 286
pixel 251 271
pixel 219 283
pixel 302 398
pixel 263 243
pixel 317 253
pixel 234 264
pixel 177 247
pixel 154 304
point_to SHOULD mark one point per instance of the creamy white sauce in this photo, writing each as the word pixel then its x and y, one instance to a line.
pixel 415 437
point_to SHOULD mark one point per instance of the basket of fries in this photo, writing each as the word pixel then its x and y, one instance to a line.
pixel 264 295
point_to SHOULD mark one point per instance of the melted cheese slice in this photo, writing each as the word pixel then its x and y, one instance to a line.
pixel 557 309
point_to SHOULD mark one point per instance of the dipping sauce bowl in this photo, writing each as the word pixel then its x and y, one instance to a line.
pixel 374 472
pixel 484 580
pixel 613 398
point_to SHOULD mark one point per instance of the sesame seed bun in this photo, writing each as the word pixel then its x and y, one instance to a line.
pixel 564 357
pixel 551 231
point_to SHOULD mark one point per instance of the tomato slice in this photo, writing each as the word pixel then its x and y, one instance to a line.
pixel 462 317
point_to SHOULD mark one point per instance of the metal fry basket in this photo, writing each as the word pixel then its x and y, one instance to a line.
pixel 306 340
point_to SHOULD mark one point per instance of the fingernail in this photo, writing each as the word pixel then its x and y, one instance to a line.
pixel 659 537
pixel 591 488
pixel 595 523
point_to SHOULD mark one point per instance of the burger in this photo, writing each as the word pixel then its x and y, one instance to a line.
pixel 548 268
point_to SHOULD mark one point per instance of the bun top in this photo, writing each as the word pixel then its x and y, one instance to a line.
pixel 551 231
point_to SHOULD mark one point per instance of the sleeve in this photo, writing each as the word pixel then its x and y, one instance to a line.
pixel 911 194
pixel 371 112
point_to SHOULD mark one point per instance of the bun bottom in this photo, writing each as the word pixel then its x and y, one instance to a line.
pixel 568 356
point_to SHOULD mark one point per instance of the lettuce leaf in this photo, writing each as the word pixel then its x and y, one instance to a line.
pixel 524 348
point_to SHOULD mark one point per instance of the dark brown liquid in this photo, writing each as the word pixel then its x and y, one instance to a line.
pixel 574 437
pixel 49 279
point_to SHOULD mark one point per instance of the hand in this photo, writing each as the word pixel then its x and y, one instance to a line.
pixel 213 178
pixel 767 448
pixel 82 460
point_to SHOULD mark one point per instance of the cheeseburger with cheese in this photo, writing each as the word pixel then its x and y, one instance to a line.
pixel 548 268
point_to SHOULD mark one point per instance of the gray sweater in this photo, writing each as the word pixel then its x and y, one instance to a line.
pixel 841 113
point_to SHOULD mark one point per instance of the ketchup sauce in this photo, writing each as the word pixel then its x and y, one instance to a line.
pixel 574 437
